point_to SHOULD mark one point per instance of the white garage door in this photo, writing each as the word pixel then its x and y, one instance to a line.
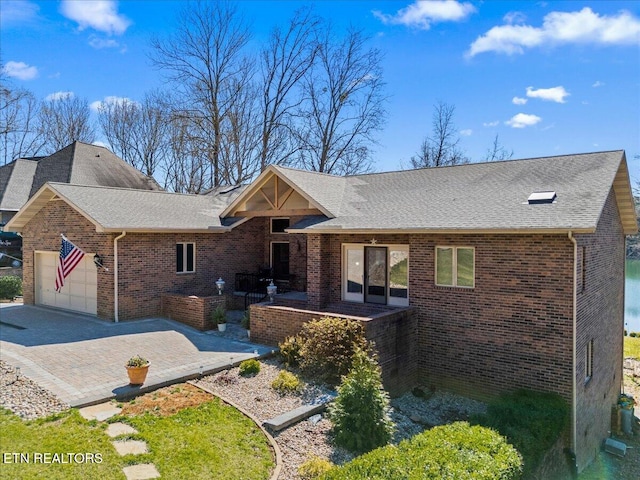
pixel 80 289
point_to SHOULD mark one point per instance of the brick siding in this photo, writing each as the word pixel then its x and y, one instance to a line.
pixel 600 314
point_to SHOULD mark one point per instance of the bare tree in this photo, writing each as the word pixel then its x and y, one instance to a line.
pixel 204 59
pixel 497 152
pixel 18 114
pixel 442 147
pixel 64 120
pixel 344 106
pixel 138 132
pixel 285 60
pixel 186 167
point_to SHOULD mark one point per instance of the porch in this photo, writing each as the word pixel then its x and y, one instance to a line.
pixel 392 329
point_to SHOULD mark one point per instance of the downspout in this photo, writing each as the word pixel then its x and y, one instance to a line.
pixel 574 393
pixel 115 275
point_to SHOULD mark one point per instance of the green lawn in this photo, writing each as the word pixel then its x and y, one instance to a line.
pixel 210 441
pixel 632 347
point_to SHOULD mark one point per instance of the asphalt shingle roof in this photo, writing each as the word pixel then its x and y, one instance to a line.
pixel 129 209
pixel 15 183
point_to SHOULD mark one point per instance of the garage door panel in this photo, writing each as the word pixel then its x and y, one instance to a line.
pixel 79 292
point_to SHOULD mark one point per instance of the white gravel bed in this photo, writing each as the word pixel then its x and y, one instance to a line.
pixel 307 439
pixel 24 397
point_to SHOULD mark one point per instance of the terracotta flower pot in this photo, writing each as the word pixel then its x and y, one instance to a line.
pixel 137 375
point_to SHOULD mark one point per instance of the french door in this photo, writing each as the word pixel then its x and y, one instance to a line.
pixel 376 274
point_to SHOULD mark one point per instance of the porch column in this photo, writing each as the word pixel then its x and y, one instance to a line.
pixel 318 270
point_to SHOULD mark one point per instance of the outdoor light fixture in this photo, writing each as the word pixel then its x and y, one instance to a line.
pixel 220 284
pixel 272 290
pixel 98 260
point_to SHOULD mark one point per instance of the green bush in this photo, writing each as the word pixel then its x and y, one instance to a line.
pixel 10 287
pixel 314 468
pixel 246 320
pixel 531 421
pixel 360 412
pixel 633 334
pixel 286 382
pixel 249 367
pixel 219 315
pixel 455 451
pixel 290 350
pixel 329 346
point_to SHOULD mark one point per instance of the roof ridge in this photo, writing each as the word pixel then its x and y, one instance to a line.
pixel 106 187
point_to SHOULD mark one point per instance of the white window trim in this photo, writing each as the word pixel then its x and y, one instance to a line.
pixel 454 266
pixel 391 301
pixel 184 258
pixel 271 225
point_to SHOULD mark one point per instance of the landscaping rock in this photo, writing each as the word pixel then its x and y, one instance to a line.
pixel 143 471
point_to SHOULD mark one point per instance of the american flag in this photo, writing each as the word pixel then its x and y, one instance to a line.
pixel 70 257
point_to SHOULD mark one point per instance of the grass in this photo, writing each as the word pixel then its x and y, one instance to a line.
pixel 212 441
pixel 632 347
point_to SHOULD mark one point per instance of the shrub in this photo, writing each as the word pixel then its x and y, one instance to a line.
pixel 314 468
pixel 10 287
pixel 456 451
pixel 531 421
pixel 249 367
pixel 137 361
pixel 219 315
pixel 290 350
pixel 360 412
pixel 633 334
pixel 246 320
pixel 286 382
pixel 329 346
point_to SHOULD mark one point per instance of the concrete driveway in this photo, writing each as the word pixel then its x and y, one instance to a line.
pixel 81 359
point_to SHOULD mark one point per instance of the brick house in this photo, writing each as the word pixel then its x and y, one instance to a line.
pixel 480 278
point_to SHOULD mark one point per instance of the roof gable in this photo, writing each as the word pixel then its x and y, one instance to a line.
pixel 282 191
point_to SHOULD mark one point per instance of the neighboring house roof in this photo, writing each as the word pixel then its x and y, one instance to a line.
pixel 78 163
pixel 482 197
pixel 118 209
pixel 15 183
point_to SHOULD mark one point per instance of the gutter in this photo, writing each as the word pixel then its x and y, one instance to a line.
pixel 574 392
pixel 115 275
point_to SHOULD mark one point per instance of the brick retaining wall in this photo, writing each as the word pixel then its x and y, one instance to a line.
pixel 191 310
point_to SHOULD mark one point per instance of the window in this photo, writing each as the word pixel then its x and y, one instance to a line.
pixel 455 267
pixel 278 225
pixel 588 362
pixel 185 257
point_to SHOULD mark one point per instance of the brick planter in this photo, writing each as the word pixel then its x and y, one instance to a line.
pixel 192 310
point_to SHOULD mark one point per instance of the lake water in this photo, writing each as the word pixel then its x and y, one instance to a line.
pixel 632 297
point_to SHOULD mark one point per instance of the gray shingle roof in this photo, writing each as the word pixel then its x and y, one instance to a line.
pixel 84 164
pixel 15 183
pixel 479 197
pixel 146 210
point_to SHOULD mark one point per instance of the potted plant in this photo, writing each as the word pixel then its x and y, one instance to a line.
pixel 246 322
pixel 219 317
pixel 137 368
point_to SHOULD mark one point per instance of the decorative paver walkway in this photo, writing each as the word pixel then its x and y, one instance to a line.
pixel 142 471
pixel 81 359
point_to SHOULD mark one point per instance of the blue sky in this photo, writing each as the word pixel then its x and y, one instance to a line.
pixel 549 78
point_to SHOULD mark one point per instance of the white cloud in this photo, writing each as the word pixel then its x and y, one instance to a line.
pixel 467 132
pixel 18 12
pixel 519 100
pixel 522 120
pixel 59 96
pixel 580 27
pixel 554 94
pixel 597 84
pixel 98 43
pixel 110 100
pixel 421 14
pixel 20 70
pixel 514 17
pixel 101 15
pixel 491 124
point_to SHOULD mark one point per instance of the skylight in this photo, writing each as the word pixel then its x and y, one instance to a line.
pixel 541 197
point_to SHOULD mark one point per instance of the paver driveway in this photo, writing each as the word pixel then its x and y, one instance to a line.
pixel 81 359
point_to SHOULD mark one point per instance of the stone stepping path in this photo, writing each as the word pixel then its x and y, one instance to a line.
pixel 103 412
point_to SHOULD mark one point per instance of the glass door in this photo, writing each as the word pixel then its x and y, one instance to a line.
pixel 376 275
pixel 354 274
